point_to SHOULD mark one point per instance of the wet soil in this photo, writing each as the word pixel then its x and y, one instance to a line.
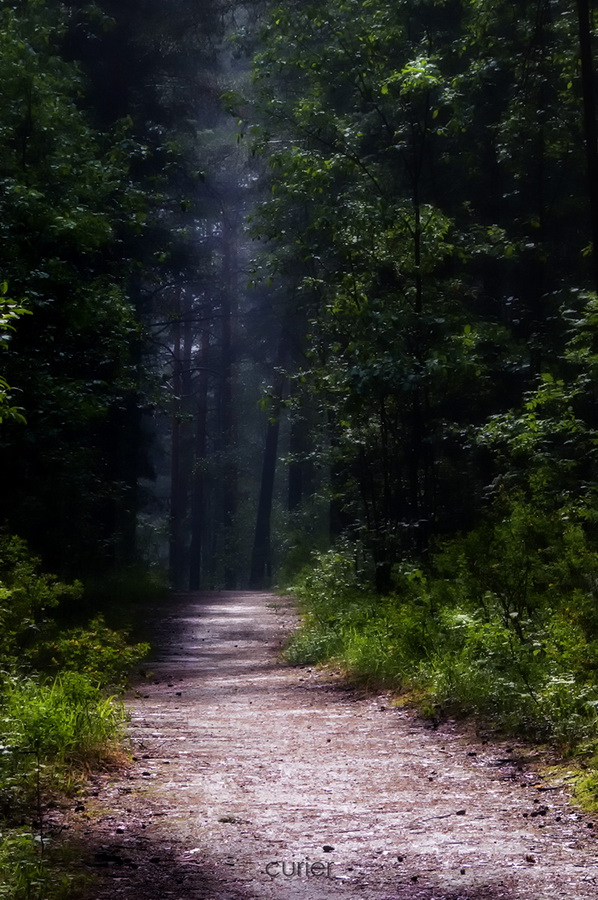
pixel 254 781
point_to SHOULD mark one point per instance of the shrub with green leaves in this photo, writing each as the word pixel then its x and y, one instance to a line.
pixel 375 639
pixel 483 668
pixel 26 875
pixel 56 720
pixel 100 653
pixel 502 623
pixel 26 598
pixel 330 593
pixel 50 731
pixel 31 639
pixel 54 714
pixel 330 580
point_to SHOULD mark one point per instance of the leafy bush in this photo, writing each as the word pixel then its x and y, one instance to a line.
pixel 31 639
pixel 25 875
pixel 51 730
pixel 502 624
pixel 330 594
pixel 483 668
pixel 100 653
pixel 26 598
pixel 375 639
pixel 330 581
pixel 55 718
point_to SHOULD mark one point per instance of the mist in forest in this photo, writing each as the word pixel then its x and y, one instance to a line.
pixel 276 278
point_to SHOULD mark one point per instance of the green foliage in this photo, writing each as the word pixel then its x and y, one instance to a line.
pixel 483 668
pixel 10 311
pixel 523 564
pixel 51 699
pixel 26 598
pixel 31 638
pixel 364 118
pixel 53 732
pixel 67 209
pixel 326 590
pixel 410 218
pixel 331 581
pixel 316 642
pixel 376 640
pixel 585 788
pixel 56 720
pixel 502 625
pixel 24 875
pixel 511 652
pixel 67 722
pixel 101 654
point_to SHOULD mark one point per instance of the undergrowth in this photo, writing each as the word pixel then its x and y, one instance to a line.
pixel 28 873
pixel 60 716
pixel 501 624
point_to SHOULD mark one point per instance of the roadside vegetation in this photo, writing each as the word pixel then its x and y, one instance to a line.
pixel 498 621
pixel 444 395
pixel 60 716
pixel 357 318
pixel 499 625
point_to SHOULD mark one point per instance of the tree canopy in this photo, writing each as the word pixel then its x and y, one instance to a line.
pixel 391 240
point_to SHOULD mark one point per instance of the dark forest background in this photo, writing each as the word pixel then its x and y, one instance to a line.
pixel 293 287
pixel 292 273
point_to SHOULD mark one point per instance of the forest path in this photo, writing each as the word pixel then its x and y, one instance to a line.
pixel 256 781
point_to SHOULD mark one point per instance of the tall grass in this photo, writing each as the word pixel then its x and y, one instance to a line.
pixel 59 717
pixel 501 625
pixel 66 721
pixel 52 732
pixel 25 874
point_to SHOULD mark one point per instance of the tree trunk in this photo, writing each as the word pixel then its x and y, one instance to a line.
pixel 227 421
pixel 301 469
pixel 176 503
pixel 261 558
pixel 196 549
pixel 590 126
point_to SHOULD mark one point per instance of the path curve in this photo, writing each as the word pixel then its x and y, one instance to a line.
pixel 256 781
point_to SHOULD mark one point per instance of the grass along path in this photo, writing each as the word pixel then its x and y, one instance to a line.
pixel 255 781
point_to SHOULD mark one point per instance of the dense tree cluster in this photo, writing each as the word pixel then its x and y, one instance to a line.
pixel 429 208
pixel 67 200
pixel 396 251
pixel 432 230
pixel 115 213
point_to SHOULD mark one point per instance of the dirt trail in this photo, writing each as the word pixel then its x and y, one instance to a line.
pixel 255 781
